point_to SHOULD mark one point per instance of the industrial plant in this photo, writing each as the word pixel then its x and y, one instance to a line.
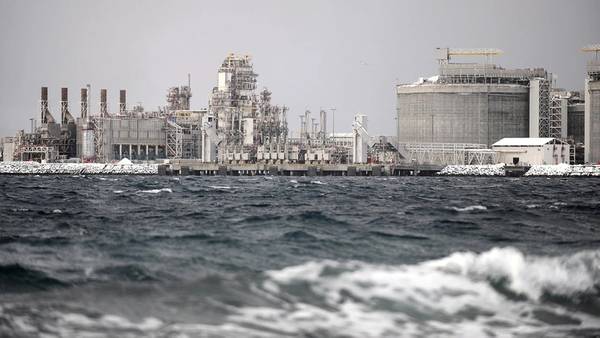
pixel 241 125
pixel 469 113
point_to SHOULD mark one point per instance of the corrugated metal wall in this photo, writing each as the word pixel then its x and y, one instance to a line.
pixel 456 116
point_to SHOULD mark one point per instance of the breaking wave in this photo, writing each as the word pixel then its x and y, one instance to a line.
pixel 498 293
pixel 501 292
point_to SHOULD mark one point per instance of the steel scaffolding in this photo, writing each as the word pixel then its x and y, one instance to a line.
pixel 174 143
pixel 447 153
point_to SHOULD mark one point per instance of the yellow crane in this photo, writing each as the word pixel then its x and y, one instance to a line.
pixel 446 53
pixel 592 49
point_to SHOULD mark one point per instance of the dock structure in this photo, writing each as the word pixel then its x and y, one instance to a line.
pixel 191 167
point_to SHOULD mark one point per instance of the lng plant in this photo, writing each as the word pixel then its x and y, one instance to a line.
pixel 469 113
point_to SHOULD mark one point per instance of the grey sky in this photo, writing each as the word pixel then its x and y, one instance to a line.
pixel 310 54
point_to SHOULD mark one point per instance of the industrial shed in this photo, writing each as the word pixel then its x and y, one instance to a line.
pixel 531 151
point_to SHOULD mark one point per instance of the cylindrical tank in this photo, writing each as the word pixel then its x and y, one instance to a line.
pixel 87 144
pixel 462 113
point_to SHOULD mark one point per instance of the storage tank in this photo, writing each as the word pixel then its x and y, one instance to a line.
pixel 88 150
pixel 462 113
pixel 477 103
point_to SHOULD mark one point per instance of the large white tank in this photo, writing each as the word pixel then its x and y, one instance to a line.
pixel 88 150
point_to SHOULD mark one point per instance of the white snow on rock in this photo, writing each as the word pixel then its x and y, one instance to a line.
pixel 125 161
pixel 564 170
pixel 473 170
pixel 35 168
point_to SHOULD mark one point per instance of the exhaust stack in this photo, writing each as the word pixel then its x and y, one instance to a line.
pixel 323 124
pixel 103 105
pixel 122 102
pixel 84 103
pixel 44 105
pixel 65 116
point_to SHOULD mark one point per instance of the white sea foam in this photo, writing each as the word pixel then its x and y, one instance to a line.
pixel 57 211
pixel 293 181
pixel 219 187
pixel 108 321
pixel 118 191
pixel 317 182
pixel 470 208
pixel 157 191
pixel 450 297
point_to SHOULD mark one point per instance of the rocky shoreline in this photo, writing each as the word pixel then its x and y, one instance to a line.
pixel 35 168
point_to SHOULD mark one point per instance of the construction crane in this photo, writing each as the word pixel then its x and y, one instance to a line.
pixel 592 49
pixel 444 54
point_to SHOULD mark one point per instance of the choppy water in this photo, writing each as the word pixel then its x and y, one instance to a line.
pixel 299 257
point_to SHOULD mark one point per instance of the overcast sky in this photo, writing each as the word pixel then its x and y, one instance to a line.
pixel 310 54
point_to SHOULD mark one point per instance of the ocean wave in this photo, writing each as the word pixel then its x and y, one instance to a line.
pixel 500 292
pixel 19 278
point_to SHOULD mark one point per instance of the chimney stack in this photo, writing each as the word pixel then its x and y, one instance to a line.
pixel 84 103
pixel 323 124
pixel 64 105
pixel 122 102
pixel 103 106
pixel 44 105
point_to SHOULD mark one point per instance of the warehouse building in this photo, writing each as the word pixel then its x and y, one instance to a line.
pixel 531 151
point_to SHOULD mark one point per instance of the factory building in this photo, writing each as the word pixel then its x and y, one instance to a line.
pixel 473 103
pixel 249 127
pixel 241 125
pixel 592 108
pixel 531 151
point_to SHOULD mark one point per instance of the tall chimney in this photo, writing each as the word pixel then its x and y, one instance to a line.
pixel 84 103
pixel 44 105
pixel 302 126
pixel 64 105
pixel 103 106
pixel 323 124
pixel 122 102
pixel 307 123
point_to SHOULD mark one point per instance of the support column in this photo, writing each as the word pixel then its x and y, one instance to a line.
pixel 120 151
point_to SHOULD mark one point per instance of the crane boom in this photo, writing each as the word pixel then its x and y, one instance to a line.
pixel 475 51
pixel 591 48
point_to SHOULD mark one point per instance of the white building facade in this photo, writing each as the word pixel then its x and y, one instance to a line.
pixel 531 151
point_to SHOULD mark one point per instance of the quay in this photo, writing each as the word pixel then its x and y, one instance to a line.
pixel 192 167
